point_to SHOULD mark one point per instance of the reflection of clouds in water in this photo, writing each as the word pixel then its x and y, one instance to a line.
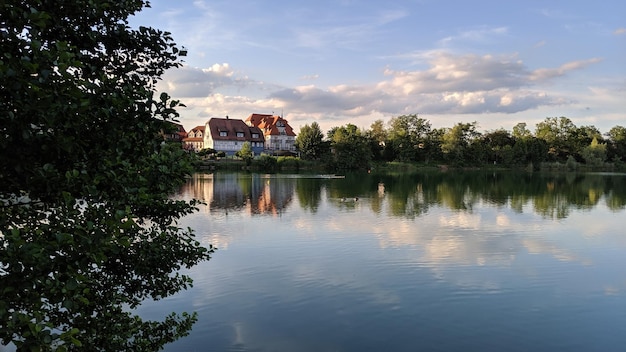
pixel 303 224
pixel 219 241
pixel 461 220
pixel 474 250
pixel 599 227
pixel 535 246
pixel 503 221
pixel 403 233
pixel 318 276
pixel 450 249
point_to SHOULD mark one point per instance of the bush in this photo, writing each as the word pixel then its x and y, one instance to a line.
pixel 267 163
pixel 288 162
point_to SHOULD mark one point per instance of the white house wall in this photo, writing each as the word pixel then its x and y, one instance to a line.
pixel 280 142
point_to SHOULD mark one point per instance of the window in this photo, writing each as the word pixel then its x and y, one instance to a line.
pixel 255 135
pixel 240 134
pixel 223 133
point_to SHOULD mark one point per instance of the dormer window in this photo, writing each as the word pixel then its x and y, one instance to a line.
pixel 223 133
pixel 240 134
pixel 255 135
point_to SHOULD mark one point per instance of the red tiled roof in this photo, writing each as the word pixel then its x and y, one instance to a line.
pixel 198 128
pixel 269 124
pixel 194 131
pixel 231 127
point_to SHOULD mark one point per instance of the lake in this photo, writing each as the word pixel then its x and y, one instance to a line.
pixel 435 261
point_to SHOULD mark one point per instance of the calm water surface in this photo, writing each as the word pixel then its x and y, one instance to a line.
pixel 413 262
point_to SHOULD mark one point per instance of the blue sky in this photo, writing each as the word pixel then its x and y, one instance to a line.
pixel 348 61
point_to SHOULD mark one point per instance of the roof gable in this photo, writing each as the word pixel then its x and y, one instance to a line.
pixel 271 125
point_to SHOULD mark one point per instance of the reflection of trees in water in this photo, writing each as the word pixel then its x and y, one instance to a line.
pixel 413 194
pixel 550 195
pixel 615 191
pixel 309 192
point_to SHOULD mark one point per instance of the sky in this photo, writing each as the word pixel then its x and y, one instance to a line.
pixel 497 63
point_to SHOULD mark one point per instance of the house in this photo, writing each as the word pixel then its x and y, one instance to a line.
pixel 195 139
pixel 279 136
pixel 228 135
pixel 176 134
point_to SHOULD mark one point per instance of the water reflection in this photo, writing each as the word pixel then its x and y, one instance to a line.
pixel 411 195
pixel 252 193
pixel 424 261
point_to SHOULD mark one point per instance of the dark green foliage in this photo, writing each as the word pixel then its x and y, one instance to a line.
pixel 410 139
pixel 267 163
pixel 616 149
pixel 87 230
pixel 350 148
pixel 207 152
pixel 310 144
pixel 245 153
pixel 288 163
pixel 457 144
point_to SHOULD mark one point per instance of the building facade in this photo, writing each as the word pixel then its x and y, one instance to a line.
pixel 195 139
pixel 228 135
pixel 278 135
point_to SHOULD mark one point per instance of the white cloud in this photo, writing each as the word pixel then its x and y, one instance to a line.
pixel 620 31
pixel 557 14
pixel 481 34
pixel 448 84
pixel 310 77
pixel 200 82
pixel 548 73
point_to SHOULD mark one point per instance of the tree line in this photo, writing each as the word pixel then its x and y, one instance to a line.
pixel 555 142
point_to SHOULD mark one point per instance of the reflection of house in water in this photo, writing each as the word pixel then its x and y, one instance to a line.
pixel 228 193
pixel 273 196
pixel 197 187
pixel 256 194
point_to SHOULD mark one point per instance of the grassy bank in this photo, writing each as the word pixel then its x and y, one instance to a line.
pixel 266 163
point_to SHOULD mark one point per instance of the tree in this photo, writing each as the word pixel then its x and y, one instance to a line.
pixel 530 151
pixel 617 143
pixel 499 144
pixel 595 153
pixel 581 139
pixel 310 142
pixel 377 139
pixel 245 153
pixel 87 228
pixel 350 147
pixel 520 131
pixel 456 142
pixel 559 134
pixel 409 137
